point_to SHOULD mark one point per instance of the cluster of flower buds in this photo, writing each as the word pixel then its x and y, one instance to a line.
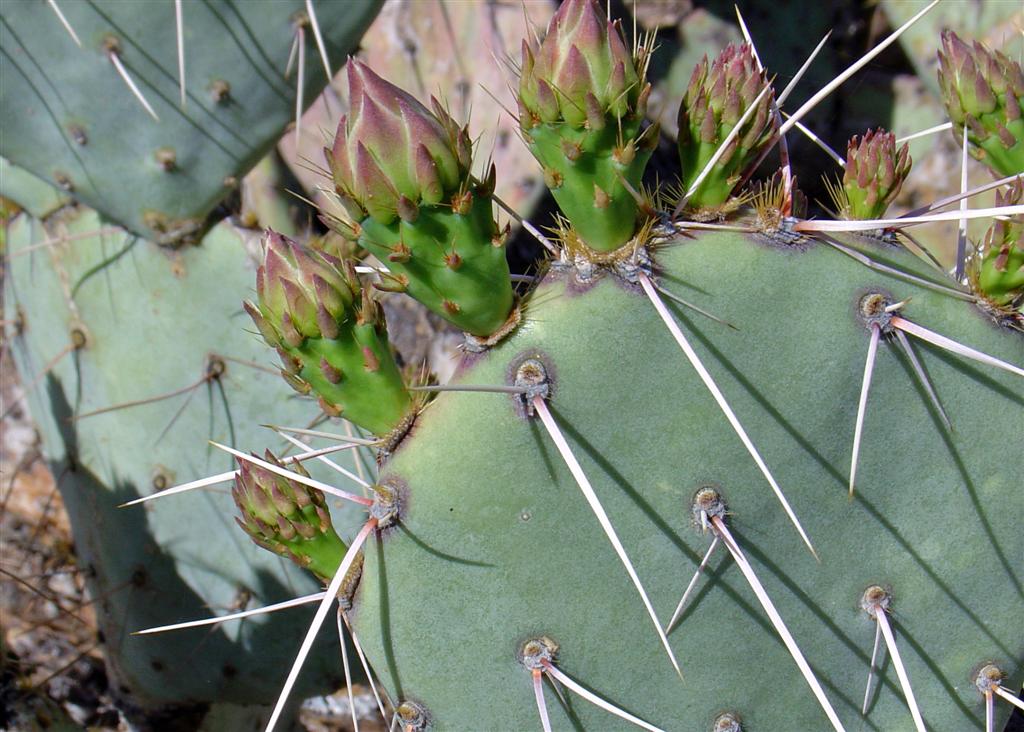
pixel 717 99
pixel 996 271
pixel 582 101
pixel 287 517
pixel 983 91
pixel 330 334
pixel 875 172
pixel 403 174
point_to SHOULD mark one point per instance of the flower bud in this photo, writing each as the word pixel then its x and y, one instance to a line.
pixel 403 173
pixel 391 147
pixel 290 283
pixel 996 270
pixel 582 54
pixel 718 96
pixel 875 171
pixel 983 91
pixel 312 308
pixel 582 99
pixel 287 517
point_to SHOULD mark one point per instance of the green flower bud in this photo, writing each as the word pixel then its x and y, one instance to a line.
pixel 296 288
pixel 996 271
pixel 983 91
pixel 875 171
pixel 403 174
pixel 287 517
pixel 716 99
pixel 583 54
pixel 330 334
pixel 582 100
pixel 390 146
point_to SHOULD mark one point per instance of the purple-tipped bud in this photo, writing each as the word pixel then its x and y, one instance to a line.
pixel 583 55
pixel 302 293
pixel 718 96
pixel 391 151
pixel 983 91
pixel 287 517
pixel 996 271
pixel 875 171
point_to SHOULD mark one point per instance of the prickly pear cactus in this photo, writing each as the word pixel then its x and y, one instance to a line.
pixel 816 443
pixel 153 118
pixel 197 108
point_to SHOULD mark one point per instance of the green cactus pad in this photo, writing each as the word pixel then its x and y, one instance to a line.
pixel 31 193
pixel 152 322
pixel 69 118
pixel 497 545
